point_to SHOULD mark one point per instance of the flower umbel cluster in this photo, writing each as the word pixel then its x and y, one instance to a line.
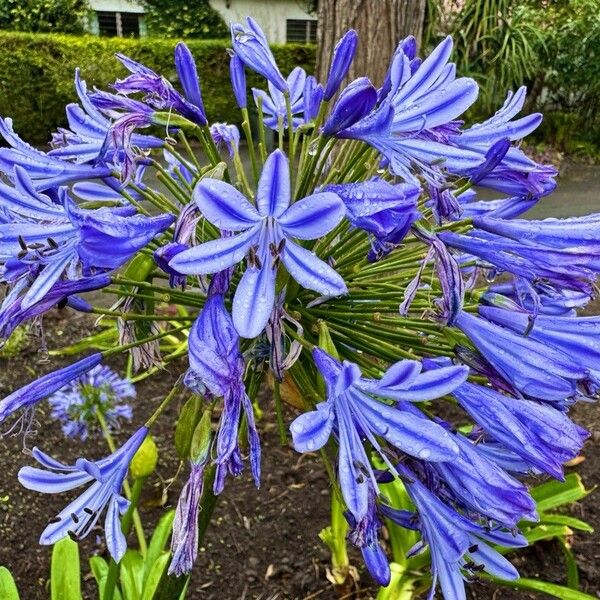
pixel 350 267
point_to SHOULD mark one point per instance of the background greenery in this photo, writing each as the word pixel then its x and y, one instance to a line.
pixel 36 73
pixel 43 16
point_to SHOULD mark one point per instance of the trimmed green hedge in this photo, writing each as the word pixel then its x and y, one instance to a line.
pixel 37 70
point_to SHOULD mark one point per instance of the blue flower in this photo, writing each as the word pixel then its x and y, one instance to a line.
pixel 42 240
pixel 274 106
pixel 159 92
pixel 531 367
pixel 343 55
pixel 46 385
pixel 384 210
pixel 251 45
pixel 98 391
pixel 62 293
pixel 238 80
pixel 354 415
pixel 312 98
pixel 455 543
pixel 45 171
pixel 542 436
pixel 84 141
pixel 217 368
pixel 268 233
pixel 81 515
pixel 415 122
pixel 354 103
pixel 227 136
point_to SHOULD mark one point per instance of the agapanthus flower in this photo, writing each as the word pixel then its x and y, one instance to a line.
pixel 312 98
pixel 542 436
pixel 341 59
pixel 274 106
pixel 502 208
pixel 238 80
pixel 515 174
pixel 226 136
pixel 44 240
pixel 267 237
pixel 106 477
pixel 413 124
pixel 353 413
pixel 30 394
pixel 45 171
pixel 456 543
pixel 535 369
pixel 62 293
pixel 217 367
pixel 251 46
pixel 159 92
pixel 98 391
pixel 84 141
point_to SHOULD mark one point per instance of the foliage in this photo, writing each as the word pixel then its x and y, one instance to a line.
pixel 43 16
pixel 500 44
pixel 183 18
pixel 36 73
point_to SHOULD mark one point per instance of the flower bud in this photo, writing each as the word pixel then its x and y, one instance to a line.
pixel 200 446
pixel 144 460
pixel 343 55
pixel 354 103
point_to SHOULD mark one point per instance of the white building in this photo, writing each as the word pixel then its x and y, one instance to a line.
pixel 282 20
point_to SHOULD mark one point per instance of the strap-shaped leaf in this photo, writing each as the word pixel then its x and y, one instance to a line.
pixel 65 578
pixel 8 588
pixel 157 543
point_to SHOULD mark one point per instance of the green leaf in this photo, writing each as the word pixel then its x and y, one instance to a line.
pixel 572 522
pixel 158 540
pixel 571 564
pixel 8 588
pixel 132 575
pixel 546 532
pixel 557 493
pixel 99 568
pixel 552 589
pixel 155 574
pixel 65 578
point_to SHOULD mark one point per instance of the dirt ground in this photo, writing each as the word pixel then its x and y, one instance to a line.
pixel 262 544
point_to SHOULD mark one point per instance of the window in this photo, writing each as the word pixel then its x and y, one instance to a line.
pixel 118 24
pixel 303 31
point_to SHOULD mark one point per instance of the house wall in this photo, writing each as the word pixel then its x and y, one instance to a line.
pixel 116 6
pixel 270 14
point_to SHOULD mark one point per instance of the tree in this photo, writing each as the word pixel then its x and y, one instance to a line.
pixel 183 19
pixel 43 16
pixel 380 25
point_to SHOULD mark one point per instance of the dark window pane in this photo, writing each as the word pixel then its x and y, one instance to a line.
pixel 107 23
pixel 301 31
pixel 130 24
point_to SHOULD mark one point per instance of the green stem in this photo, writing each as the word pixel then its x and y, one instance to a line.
pixel 279 412
pixel 251 150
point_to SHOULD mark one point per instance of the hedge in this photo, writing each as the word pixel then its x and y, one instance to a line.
pixel 37 70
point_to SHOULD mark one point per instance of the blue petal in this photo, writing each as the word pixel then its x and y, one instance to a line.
pixel 254 300
pixel 45 280
pixel 311 272
pixel 311 430
pixel 48 482
pixel 224 206
pixel 115 539
pixel 495 564
pixel 273 193
pixel 313 216
pixel 215 255
pixel 401 374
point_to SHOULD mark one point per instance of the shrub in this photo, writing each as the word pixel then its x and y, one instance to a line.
pixel 43 16
pixel 36 73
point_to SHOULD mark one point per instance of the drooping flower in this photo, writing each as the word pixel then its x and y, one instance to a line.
pixel 43 240
pixel 84 141
pixel 81 515
pixel 226 136
pixel 217 367
pixel 45 171
pixel 62 293
pixel 355 416
pixel 267 237
pixel 455 543
pixel 384 210
pixel 44 386
pixel 252 47
pixel 98 391
pixel 535 369
pixel 542 436
pixel 274 105
pixel 341 59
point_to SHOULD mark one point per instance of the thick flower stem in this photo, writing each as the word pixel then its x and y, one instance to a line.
pixel 247 129
pixel 279 413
